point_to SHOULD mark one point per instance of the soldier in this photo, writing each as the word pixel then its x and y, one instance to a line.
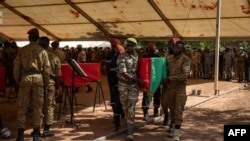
pixel 81 58
pixel 32 73
pixel 58 52
pixel 175 87
pixel 80 54
pixel 113 78
pixel 208 62
pixel 145 100
pixel 52 89
pixel 195 62
pixel 8 55
pixel 241 59
pixel 228 60
pixel 128 83
pixel 247 68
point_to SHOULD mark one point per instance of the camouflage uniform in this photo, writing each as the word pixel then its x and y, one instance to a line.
pixel 195 63
pixel 241 59
pixel 175 93
pixel 32 72
pixel 128 89
pixel 49 99
pixel 61 55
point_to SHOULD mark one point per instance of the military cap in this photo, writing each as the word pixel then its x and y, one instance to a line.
pixel 33 31
pixel 114 41
pixel 55 44
pixel 120 48
pixel 133 40
pixel 152 47
pixel 174 40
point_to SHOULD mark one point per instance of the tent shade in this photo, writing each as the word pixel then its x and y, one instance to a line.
pixel 74 20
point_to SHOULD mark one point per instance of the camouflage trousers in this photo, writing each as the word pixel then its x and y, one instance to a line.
pixel 176 99
pixel 30 96
pixel 49 104
pixel 240 70
pixel 129 97
pixel 164 102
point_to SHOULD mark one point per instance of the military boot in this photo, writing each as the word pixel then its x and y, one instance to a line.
pixel 165 121
pixel 130 135
pixel 36 134
pixel 46 131
pixel 156 111
pixel 176 135
pixel 117 122
pixel 145 115
pixel 171 130
pixel 20 136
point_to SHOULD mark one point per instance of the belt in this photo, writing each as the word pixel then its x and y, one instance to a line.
pixel 31 73
pixel 127 82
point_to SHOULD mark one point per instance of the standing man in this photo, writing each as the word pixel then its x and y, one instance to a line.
pixel 228 60
pixel 208 62
pixel 113 78
pixel 52 89
pixel 128 84
pixel 32 73
pixel 81 58
pixel 152 52
pixel 195 63
pixel 175 83
pixel 58 52
pixel 241 62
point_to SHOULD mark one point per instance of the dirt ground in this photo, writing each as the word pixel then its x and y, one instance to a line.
pixel 204 117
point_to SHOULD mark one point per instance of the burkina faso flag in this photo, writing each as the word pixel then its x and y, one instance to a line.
pixel 152 70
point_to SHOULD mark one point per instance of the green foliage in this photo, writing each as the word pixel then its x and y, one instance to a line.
pixel 200 44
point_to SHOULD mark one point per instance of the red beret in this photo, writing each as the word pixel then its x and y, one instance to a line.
pixel 33 31
pixel 120 48
pixel 115 41
pixel 174 40
pixel 152 47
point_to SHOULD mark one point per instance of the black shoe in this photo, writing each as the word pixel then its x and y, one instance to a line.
pixel 20 136
pixel 165 121
pixel 145 118
pixel 156 113
pixel 36 134
pixel 47 134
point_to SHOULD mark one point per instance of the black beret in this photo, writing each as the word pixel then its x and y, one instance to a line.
pixel 55 44
pixel 33 31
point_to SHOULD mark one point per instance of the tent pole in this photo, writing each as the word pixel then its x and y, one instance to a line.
pixel 217 49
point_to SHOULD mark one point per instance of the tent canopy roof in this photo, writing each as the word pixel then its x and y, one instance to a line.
pixel 77 20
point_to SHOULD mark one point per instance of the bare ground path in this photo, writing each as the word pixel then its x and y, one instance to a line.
pixel 204 119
